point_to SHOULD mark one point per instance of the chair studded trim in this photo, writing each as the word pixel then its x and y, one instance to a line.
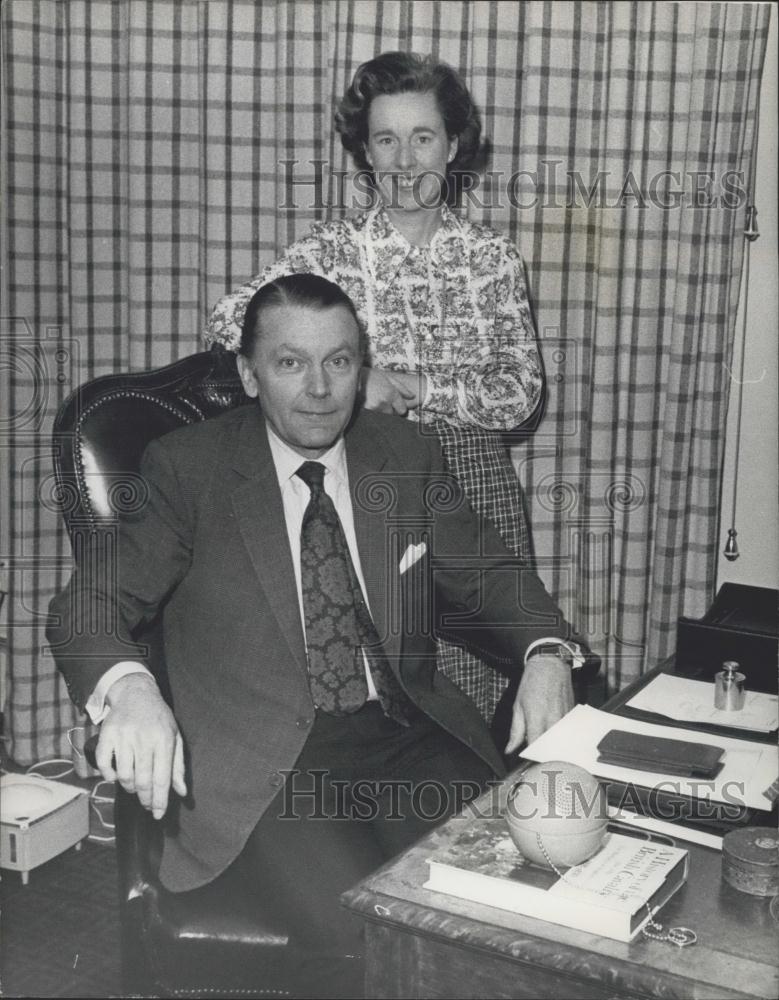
pixel 216 991
pixel 85 490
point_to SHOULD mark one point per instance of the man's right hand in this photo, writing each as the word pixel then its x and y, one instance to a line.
pixel 140 745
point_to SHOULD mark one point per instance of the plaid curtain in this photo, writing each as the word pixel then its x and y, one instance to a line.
pixel 157 154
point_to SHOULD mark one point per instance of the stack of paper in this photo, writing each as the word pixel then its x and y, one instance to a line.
pixel 749 776
pixel 685 700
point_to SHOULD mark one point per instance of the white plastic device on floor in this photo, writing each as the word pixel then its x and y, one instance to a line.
pixel 39 819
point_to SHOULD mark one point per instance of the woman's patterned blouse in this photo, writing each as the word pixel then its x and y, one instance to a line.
pixel 456 310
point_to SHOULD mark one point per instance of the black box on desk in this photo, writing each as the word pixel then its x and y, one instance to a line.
pixel 742 624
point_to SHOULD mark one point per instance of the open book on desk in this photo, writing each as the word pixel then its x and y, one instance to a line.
pixel 749 778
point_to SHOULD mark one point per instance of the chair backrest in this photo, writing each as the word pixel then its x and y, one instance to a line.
pixel 103 428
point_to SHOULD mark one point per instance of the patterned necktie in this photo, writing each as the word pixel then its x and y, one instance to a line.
pixel 338 623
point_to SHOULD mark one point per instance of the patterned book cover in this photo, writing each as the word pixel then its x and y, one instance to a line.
pixel 485 847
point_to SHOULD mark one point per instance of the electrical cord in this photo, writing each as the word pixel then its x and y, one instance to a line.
pixel 96 801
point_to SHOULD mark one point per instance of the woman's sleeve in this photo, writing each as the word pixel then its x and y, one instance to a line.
pixel 226 321
pixel 496 381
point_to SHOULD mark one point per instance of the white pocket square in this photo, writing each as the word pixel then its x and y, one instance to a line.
pixel 412 555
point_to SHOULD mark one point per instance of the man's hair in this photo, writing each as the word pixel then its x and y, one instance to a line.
pixel 310 291
pixel 403 73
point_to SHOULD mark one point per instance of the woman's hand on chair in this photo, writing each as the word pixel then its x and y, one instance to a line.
pixel 140 745
pixel 389 391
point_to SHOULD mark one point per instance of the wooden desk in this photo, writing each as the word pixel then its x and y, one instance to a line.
pixel 421 943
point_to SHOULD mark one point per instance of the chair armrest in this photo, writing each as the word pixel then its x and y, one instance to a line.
pixel 138 838
pixel 90 749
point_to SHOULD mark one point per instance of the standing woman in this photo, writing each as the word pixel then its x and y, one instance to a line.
pixel 443 300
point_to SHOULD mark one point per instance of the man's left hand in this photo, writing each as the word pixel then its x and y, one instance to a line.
pixel 545 695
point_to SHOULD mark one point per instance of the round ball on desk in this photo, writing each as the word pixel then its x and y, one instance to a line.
pixel 556 814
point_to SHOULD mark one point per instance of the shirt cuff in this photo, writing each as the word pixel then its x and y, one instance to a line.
pixel 573 648
pixel 96 706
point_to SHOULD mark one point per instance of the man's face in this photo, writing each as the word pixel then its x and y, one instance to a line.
pixel 305 371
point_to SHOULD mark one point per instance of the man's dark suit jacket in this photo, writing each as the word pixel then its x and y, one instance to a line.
pixel 210 549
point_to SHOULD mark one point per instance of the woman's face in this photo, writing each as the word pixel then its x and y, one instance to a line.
pixel 408 150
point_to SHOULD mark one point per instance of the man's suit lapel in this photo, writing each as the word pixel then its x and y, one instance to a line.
pixel 366 457
pixel 260 516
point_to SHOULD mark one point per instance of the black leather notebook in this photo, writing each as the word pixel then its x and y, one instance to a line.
pixel 656 753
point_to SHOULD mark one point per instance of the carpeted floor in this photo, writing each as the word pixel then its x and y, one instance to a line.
pixel 60 933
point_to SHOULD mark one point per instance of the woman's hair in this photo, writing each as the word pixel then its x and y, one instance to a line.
pixel 310 291
pixel 403 73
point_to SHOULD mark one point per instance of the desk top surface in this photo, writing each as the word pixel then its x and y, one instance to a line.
pixel 737 934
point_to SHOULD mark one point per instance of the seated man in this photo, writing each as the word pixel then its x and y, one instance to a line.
pixel 297 550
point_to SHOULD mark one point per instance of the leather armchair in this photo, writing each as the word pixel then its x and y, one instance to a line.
pixel 214 941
